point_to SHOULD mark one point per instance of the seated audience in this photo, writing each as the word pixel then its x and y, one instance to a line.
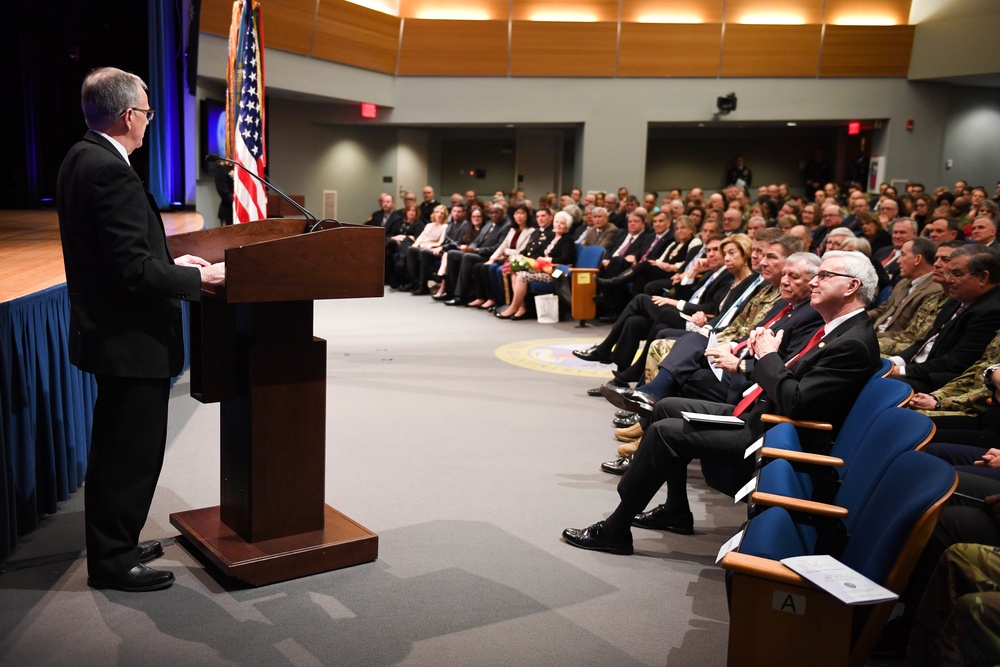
pixel 818 384
pixel 560 250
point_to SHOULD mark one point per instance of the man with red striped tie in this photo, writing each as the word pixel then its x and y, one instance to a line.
pixel 815 384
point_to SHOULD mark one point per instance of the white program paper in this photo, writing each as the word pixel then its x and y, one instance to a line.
pixel 721 420
pixel 714 342
pixel 838 580
pixel 730 544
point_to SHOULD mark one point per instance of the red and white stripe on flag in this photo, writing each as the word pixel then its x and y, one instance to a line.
pixel 245 110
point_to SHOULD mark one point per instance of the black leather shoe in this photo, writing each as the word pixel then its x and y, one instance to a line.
pixel 596 391
pixel 659 519
pixel 625 422
pixel 137 580
pixel 522 316
pixel 442 297
pixel 629 399
pixel 150 550
pixel 420 292
pixel 594 538
pixel 454 302
pixel 623 413
pixel 591 354
pixel 617 466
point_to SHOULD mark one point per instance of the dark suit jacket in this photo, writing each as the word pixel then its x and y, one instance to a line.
pixel 709 300
pixel 960 342
pixel 822 385
pixel 799 326
pixel 125 317
pixel 395 219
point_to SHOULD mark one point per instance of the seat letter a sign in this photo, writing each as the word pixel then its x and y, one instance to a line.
pixel 788 602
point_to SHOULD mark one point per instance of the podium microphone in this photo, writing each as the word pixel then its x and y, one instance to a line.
pixel 311 222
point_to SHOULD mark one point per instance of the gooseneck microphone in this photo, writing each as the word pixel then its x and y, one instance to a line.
pixel 311 221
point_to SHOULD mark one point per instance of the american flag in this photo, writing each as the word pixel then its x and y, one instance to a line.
pixel 245 110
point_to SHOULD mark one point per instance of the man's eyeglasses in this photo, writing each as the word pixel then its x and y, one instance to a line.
pixel 149 112
pixel 958 275
pixel 824 274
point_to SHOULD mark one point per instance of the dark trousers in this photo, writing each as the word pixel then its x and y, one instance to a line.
pixel 963 520
pixel 126 453
pixel 461 267
pixel 667 446
pixel 637 322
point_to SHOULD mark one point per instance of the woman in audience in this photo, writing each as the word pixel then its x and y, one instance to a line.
pixel 515 241
pixel 810 216
pixel 871 229
pixel 735 250
pixel 697 215
pixel 431 237
pixel 560 250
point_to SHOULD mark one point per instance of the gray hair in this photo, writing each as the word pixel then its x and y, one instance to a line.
pixel 574 212
pixel 599 210
pixel 858 244
pixel 107 92
pixel 565 217
pixel 858 266
pixel 810 262
pixel 910 221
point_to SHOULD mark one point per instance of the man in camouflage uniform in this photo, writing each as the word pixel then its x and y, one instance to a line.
pixel 959 616
pixel 894 342
pixel 966 395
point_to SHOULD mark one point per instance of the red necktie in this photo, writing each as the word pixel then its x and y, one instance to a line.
pixel 889 259
pixel 767 325
pixel 755 394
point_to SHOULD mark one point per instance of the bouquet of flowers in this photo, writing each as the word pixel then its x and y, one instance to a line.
pixel 522 263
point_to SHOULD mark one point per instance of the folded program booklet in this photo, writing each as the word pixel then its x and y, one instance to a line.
pixel 845 584
pixel 718 420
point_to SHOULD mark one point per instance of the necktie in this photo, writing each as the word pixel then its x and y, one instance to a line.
pixel 646 254
pixel 624 249
pixel 925 350
pixel 701 290
pixel 890 258
pixel 755 394
pixel 767 325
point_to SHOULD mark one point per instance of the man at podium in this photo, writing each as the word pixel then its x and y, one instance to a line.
pixel 125 323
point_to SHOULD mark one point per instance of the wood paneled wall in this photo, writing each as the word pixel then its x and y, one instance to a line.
pixel 622 38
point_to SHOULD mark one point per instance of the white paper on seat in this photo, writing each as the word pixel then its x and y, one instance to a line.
pixel 746 490
pixel 730 544
pixel 759 443
pixel 840 581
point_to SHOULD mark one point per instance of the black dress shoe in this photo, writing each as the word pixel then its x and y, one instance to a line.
pixel 522 316
pixel 150 550
pixel 628 399
pixel 624 413
pixel 596 391
pixel 442 297
pixel 625 422
pixel 454 302
pixel 137 580
pixel 420 292
pixel 595 538
pixel 617 466
pixel 659 519
pixel 591 354
pixel 500 316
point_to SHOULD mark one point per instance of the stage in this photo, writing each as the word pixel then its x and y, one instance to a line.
pixel 32 257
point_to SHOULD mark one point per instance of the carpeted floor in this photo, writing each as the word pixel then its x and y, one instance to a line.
pixel 468 467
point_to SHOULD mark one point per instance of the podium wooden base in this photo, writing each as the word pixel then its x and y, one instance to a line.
pixel 341 543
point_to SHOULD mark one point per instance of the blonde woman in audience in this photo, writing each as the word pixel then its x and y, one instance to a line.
pixel 431 237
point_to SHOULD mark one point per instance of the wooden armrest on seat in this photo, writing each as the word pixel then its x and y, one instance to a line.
pixel 798 423
pixel 798 505
pixel 800 457
pixel 762 567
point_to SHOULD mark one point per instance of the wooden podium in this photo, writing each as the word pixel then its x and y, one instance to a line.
pixel 253 351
